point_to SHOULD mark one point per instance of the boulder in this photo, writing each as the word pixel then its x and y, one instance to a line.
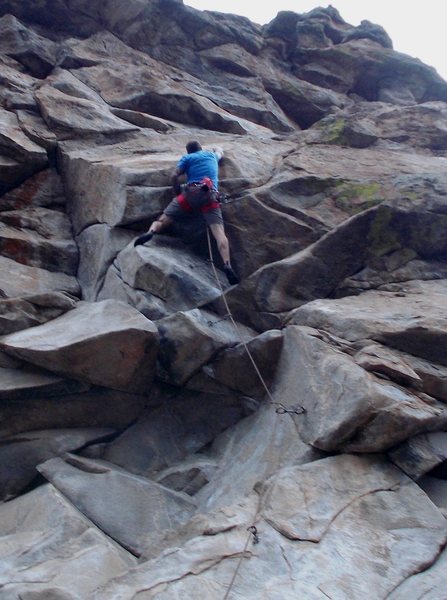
pixel 20 157
pixel 20 454
pixel 101 183
pixel 39 237
pixel 73 406
pixel 98 246
pixel 21 313
pixel 42 189
pixel 36 53
pixel 39 531
pixel 273 441
pixel 16 91
pixel 105 343
pixel 37 130
pixel 346 407
pixel 359 242
pixel 363 124
pixel 71 109
pixel 145 89
pixel 384 517
pixel 19 280
pixel 235 367
pixel 362 67
pixel 132 510
pixel 281 235
pixel 190 339
pixel 184 424
pixel 166 269
pixel 412 321
pixel 30 382
pixel 419 455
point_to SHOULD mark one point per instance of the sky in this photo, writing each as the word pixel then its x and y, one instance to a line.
pixel 415 28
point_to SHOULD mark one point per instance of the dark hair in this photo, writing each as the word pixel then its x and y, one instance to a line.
pixel 193 147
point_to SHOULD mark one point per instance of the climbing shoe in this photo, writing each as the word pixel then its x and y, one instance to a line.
pixel 231 275
pixel 143 239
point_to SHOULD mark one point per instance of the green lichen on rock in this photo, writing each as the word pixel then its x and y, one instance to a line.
pixel 382 237
pixel 334 131
pixel 353 198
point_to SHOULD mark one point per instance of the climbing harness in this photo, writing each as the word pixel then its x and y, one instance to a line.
pixel 201 196
pixel 252 530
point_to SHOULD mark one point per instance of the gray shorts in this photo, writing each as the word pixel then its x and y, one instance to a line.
pixel 212 215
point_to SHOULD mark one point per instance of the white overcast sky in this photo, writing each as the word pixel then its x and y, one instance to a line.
pixel 416 28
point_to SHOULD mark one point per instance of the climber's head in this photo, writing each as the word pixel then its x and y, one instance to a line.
pixel 193 147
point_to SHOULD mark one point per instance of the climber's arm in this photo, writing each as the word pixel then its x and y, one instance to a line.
pixel 176 174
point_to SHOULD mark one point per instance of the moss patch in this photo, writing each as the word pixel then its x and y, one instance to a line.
pixel 353 198
pixel 382 237
pixel 334 131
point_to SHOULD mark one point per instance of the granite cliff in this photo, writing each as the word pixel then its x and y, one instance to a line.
pixel 141 454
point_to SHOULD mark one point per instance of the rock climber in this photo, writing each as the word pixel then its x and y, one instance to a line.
pixel 199 195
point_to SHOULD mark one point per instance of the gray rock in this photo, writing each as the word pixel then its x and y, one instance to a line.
pixel 301 511
pixel 436 490
pixel 96 407
pixel 189 477
pixel 48 548
pixel 347 407
pixel 71 109
pixel 98 247
pixel 35 52
pixel 19 280
pixel 39 237
pixel 132 510
pixel 412 321
pixel 20 313
pixel 190 339
pixel 166 269
pixel 20 157
pixel 376 540
pixel 248 368
pixel 105 343
pixel 37 130
pixel 419 455
pixel 42 189
pixel 28 382
pixel 184 424
pixel 429 584
pixel 250 453
pixel 378 359
pixel 20 454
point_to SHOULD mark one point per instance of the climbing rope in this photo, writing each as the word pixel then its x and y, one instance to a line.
pixel 280 409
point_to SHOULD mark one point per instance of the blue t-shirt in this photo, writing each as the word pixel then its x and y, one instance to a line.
pixel 198 165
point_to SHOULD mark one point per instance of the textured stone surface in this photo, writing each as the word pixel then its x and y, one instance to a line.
pixel 21 454
pixel 132 510
pixel 421 454
pixel 184 424
pixel 48 549
pixel 347 407
pixel 334 202
pixel 106 343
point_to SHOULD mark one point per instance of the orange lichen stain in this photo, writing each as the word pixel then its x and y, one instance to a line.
pixel 15 249
pixel 28 190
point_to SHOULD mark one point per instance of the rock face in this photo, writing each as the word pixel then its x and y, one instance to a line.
pixel 160 431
